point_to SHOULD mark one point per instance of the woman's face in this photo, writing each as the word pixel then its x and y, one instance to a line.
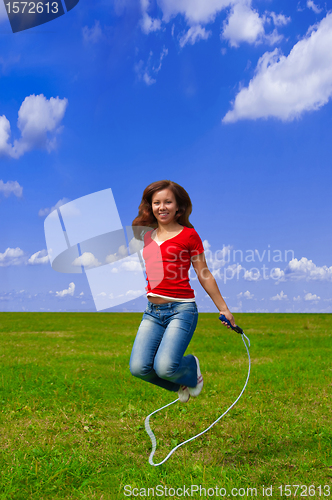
pixel 164 206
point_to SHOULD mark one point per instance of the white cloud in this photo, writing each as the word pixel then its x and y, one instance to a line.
pixel 134 293
pixel 88 260
pixel 286 87
pixel 40 257
pixel 38 121
pixel 216 259
pixel 123 261
pixel 45 211
pixel 232 271
pixel 194 34
pixel 246 295
pixel 194 11
pixel 277 274
pixel 279 19
pixel 297 299
pixel 238 308
pixel 163 53
pixel 313 6
pixel 147 23
pixel 306 269
pixel 11 187
pixel 310 296
pixel 252 275
pixel 135 245
pixel 70 209
pixel 5 147
pixel 131 265
pixel 280 296
pixel 112 257
pixel 273 37
pixel 243 24
pixel 120 254
pixel 206 245
pixel 68 291
pixel 12 257
pixel 145 71
pixel 92 35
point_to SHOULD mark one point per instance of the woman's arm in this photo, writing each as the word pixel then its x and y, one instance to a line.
pixel 209 284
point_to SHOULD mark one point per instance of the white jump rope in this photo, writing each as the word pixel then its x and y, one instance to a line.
pixel 147 425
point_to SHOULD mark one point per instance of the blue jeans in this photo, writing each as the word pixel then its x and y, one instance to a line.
pixel 161 341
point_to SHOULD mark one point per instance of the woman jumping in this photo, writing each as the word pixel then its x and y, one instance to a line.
pixel 170 318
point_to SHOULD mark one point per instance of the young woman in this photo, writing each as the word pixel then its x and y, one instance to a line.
pixel 170 318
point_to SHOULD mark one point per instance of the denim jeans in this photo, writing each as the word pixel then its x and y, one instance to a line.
pixel 161 341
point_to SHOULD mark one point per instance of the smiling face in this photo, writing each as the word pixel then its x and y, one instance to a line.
pixel 164 206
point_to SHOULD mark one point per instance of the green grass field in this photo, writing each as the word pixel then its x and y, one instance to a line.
pixel 72 415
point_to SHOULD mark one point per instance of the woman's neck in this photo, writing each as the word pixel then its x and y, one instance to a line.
pixel 168 228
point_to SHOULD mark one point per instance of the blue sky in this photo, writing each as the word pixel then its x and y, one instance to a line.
pixel 231 99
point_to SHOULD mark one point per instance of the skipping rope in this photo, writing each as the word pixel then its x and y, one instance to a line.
pixel 147 425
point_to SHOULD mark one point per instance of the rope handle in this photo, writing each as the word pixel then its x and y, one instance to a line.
pixel 236 328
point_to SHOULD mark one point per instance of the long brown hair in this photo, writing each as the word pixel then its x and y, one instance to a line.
pixel 145 214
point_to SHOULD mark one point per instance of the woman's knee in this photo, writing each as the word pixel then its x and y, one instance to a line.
pixel 138 369
pixel 164 367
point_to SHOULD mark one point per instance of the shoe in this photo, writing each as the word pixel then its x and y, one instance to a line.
pixel 194 391
pixel 183 393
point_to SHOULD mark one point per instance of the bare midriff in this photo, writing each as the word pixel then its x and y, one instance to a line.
pixel 158 300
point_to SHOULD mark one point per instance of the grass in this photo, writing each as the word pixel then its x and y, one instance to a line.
pixel 72 415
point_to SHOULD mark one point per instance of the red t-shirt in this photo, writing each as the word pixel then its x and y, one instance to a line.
pixel 167 266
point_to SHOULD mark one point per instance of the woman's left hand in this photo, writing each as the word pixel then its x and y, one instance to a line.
pixel 228 316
